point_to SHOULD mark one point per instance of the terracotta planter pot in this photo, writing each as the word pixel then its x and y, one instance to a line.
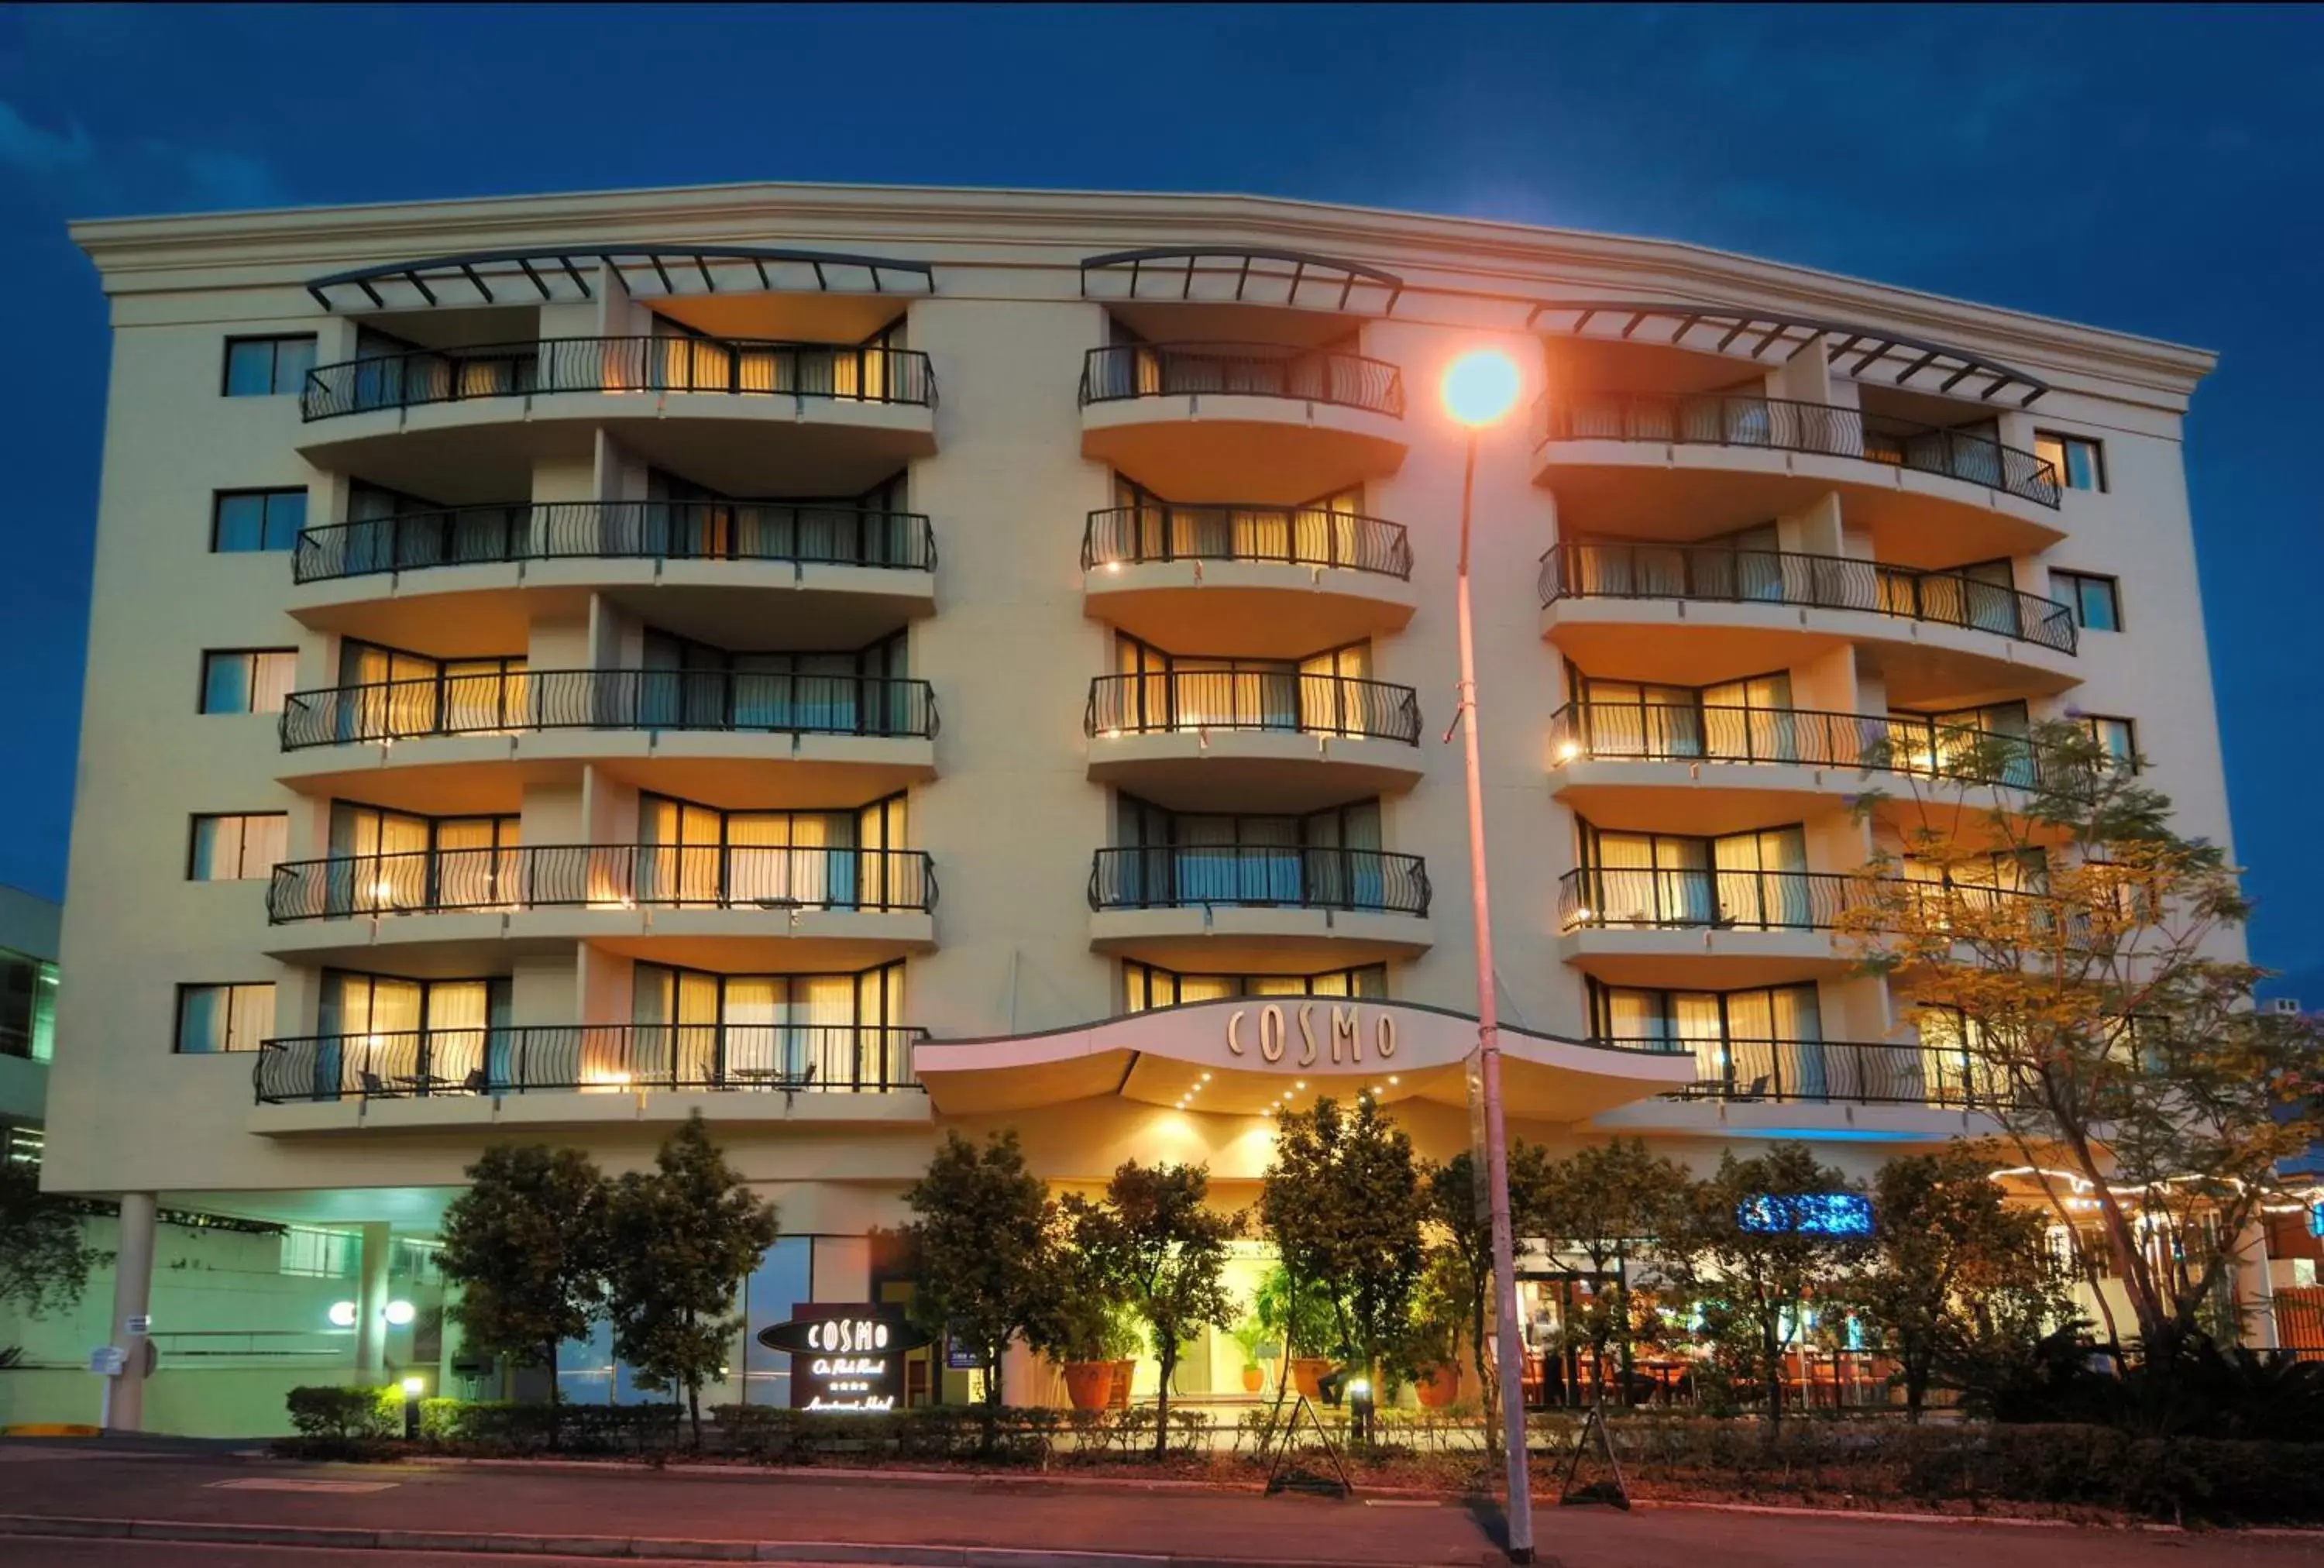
pixel 1439 1389
pixel 1089 1384
pixel 1254 1378
pixel 1307 1375
pixel 1123 1372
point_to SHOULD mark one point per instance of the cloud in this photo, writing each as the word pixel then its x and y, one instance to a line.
pixel 71 169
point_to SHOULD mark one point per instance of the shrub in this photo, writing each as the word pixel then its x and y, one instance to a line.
pixel 337 1419
pixel 510 1426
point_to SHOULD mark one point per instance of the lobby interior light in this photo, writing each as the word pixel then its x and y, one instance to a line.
pixel 1394 1079
pixel 1480 387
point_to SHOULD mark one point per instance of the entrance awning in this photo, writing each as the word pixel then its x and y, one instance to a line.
pixel 1247 1056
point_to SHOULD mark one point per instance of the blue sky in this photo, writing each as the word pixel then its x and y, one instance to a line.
pixel 2154 171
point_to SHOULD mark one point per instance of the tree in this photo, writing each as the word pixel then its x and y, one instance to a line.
pixel 681 1240
pixel 526 1244
pixel 1957 1277
pixel 45 1258
pixel 1602 1201
pixel 1457 1210
pixel 1754 1243
pixel 2067 951
pixel 1344 1201
pixel 983 1240
pixel 1155 1236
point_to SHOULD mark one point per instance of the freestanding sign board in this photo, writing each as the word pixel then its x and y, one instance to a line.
pixel 846 1355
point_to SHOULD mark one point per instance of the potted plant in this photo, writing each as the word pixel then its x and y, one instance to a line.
pixel 1123 1339
pixel 1079 1335
pixel 1258 1347
pixel 1428 1351
pixel 1303 1321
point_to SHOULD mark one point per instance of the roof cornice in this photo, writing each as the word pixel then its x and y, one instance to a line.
pixel 1056 228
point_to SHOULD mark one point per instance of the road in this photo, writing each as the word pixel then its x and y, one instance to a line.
pixel 117 1481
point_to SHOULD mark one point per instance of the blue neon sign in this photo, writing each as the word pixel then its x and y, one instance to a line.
pixel 1807 1215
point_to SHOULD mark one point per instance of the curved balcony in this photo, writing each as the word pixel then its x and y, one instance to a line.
pixel 1898 1091
pixel 715 905
pixel 447 744
pixel 1711 612
pixel 1630 765
pixel 1730 927
pixel 1251 740
pixel 470 1064
pixel 478 573
pixel 850 414
pixel 1257 908
pixel 1274 582
pixel 1273 421
pixel 1732 459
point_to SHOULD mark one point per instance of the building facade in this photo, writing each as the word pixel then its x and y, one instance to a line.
pixel 861 662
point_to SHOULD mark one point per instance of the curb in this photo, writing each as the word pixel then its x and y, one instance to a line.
pixel 631 1548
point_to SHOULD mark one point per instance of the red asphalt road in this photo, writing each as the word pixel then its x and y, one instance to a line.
pixel 112 1481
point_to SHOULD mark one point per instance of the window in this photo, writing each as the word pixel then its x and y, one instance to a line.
pixel 28 1006
pixel 22 1146
pixel 244 848
pixel 258 367
pixel 1147 987
pixel 321 1254
pixel 2096 601
pixel 256 519
pixel 2118 736
pixel 2080 462
pixel 224 1018
pixel 248 680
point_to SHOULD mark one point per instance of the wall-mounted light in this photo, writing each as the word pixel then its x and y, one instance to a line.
pixel 401 1313
pixel 343 1314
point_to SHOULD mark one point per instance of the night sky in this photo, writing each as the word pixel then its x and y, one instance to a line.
pixel 2151 170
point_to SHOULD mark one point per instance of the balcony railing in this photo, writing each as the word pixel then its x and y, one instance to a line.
pixel 721 531
pixel 1828 1072
pixel 1286 701
pixel 1647 732
pixel 526 701
pixel 1738 420
pixel 794 1059
pixel 601 876
pixel 1264 370
pixel 1303 536
pixel 1717 574
pixel 654 365
pixel 1623 898
pixel 1169 877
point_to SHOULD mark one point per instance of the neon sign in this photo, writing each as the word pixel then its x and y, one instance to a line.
pixel 1807 1215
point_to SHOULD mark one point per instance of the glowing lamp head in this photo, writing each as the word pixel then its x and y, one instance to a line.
pixel 1480 387
pixel 1568 750
pixel 412 1387
pixel 343 1314
pixel 399 1313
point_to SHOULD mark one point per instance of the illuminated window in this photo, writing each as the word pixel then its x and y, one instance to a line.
pixel 2118 736
pixel 28 1006
pixel 247 680
pixel 2079 463
pixel 1147 987
pixel 224 1018
pixel 238 848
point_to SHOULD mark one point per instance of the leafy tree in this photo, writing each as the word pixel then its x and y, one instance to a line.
pixel 527 1244
pixel 1454 1208
pixel 1958 1279
pixel 1156 1237
pixel 1754 1243
pixel 1345 1200
pixel 45 1258
pixel 987 1258
pixel 682 1238
pixel 2067 946
pixel 1602 1201
pixel 1297 1314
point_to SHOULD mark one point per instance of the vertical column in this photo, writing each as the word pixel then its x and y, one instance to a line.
pixel 2254 1296
pixel 371 1307
pixel 132 1294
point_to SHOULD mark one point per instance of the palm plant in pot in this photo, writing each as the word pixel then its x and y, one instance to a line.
pixel 1299 1315
pixel 1258 1346
pixel 1428 1351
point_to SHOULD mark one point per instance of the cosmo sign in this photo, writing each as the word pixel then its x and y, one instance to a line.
pixel 845 1356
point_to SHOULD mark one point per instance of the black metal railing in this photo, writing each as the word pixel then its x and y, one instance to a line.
pixel 804 533
pixel 1647 732
pixel 1265 370
pixel 1719 574
pixel 1164 877
pixel 1782 424
pixel 1741 901
pixel 793 1058
pixel 1831 1072
pixel 1285 700
pixel 601 876
pixel 838 371
pixel 1305 536
pixel 523 701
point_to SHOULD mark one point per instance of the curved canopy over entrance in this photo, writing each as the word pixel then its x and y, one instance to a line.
pixel 1247 1056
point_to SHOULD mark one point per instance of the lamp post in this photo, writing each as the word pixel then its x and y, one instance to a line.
pixel 1479 389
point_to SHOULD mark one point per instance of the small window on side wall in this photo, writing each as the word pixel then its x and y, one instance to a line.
pixel 2096 601
pixel 2119 737
pixel 243 521
pixel 246 680
pixel 212 1018
pixel 239 849
pixel 2078 462
pixel 259 368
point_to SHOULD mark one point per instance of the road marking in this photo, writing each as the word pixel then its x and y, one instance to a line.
pixel 260 1484
pixel 1402 1503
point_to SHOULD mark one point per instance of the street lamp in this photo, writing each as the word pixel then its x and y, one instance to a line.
pixel 1480 387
